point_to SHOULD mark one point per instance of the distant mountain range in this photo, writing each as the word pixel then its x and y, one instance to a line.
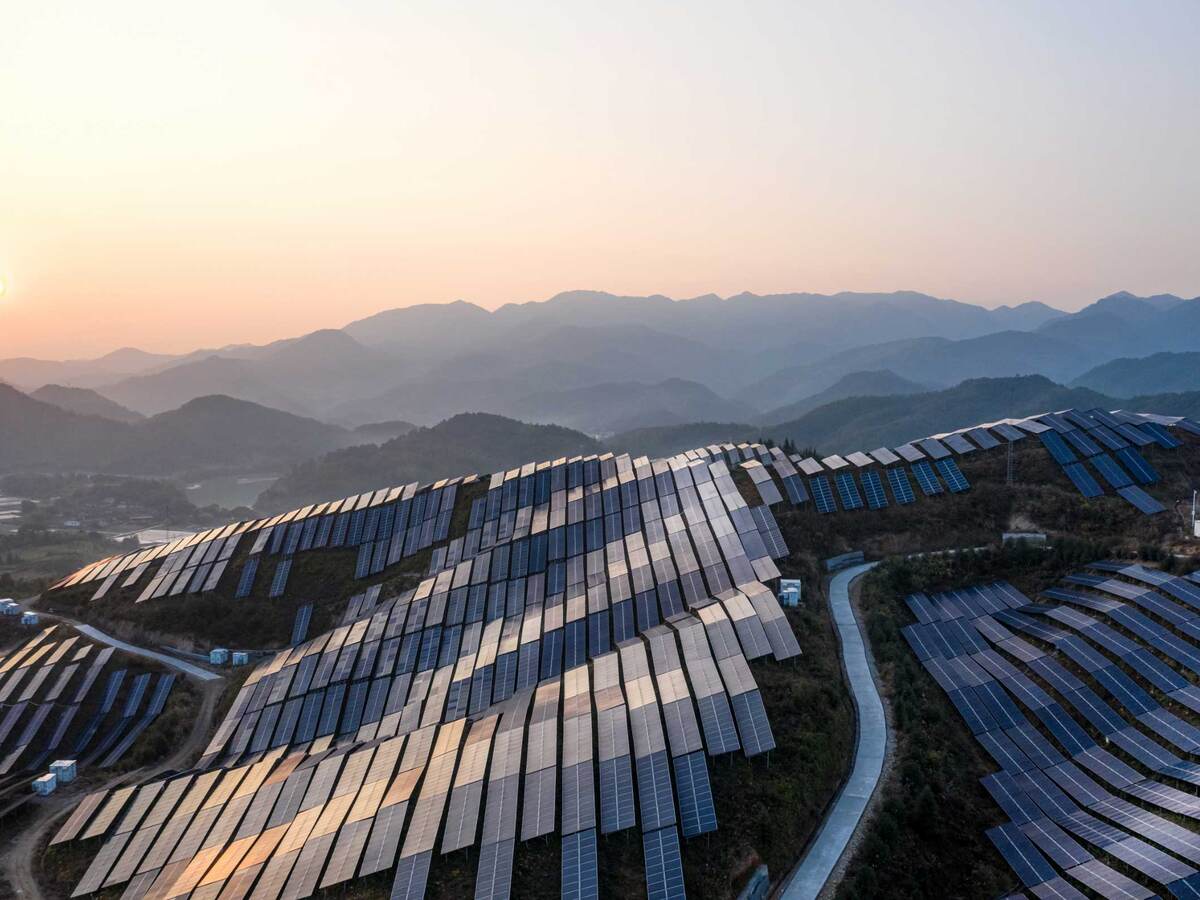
pixel 864 423
pixel 85 402
pixel 881 383
pixel 426 362
pixel 208 433
pixel 603 363
pixel 1160 372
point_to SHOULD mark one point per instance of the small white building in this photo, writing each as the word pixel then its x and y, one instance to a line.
pixel 218 656
pixel 240 657
pixel 29 618
pixel 46 784
pixel 63 770
pixel 789 591
pixel 8 607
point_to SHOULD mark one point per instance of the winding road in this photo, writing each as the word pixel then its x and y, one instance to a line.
pixel 813 872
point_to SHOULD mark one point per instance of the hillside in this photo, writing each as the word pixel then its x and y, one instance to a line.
pixel 38 434
pixel 1155 374
pixel 207 433
pixel 665 440
pixel 85 402
pixel 467 443
pixel 881 383
pixel 860 423
pixel 614 407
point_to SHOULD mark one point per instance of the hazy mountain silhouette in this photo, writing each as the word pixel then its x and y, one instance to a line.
pixel 84 401
pixel 1161 372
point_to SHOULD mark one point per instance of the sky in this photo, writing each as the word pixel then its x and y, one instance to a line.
pixel 182 175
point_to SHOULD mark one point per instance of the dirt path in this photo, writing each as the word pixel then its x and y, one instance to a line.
pixel 19 858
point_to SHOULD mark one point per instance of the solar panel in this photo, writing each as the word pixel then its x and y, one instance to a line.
pixel 616 794
pixel 901 486
pixel 300 626
pixel 1021 855
pixel 1111 471
pixel 873 485
pixel 1143 501
pixel 822 495
pixel 959 444
pixel 1160 435
pixel 246 579
pixel 664 866
pixel 983 438
pixel 697 815
pixel 1081 442
pixel 926 479
pixel 1136 463
pixel 279 581
pixel 1083 480
pixel 953 475
pixel 580 873
pixel 848 490
pixel 933 448
pixel 1062 454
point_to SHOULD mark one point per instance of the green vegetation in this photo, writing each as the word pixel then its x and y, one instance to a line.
pixel 463 445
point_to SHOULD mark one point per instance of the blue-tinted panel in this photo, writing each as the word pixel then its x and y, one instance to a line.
pixel 926 479
pixel 901 486
pixel 822 495
pixel 848 490
pixel 873 485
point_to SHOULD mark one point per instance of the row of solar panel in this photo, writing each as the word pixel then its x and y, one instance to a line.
pixel 1034 772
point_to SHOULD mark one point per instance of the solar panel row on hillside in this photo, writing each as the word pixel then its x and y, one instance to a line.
pixel 1060 805
pixel 822 495
pixel 926 479
pixel 1083 480
pixel 848 490
pixel 955 479
pixel 901 486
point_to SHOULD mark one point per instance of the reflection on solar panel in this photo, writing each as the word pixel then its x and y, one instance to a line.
pixel 955 479
pixel 1110 471
pixel 848 490
pixel 1136 463
pixel 1143 501
pixel 901 486
pixel 873 485
pixel 1083 480
pixel 822 495
pixel 926 479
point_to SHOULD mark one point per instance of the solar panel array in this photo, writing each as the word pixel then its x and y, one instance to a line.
pixel 614 600
pixel 1084 703
pixel 65 696
pixel 393 524
pixel 1107 444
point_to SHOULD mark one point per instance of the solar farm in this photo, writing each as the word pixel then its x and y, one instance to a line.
pixel 564 651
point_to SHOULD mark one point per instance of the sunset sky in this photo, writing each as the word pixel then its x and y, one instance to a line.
pixel 180 175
